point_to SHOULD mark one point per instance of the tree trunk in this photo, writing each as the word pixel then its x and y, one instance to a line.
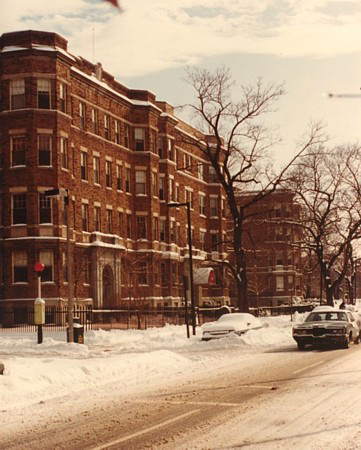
pixel 241 276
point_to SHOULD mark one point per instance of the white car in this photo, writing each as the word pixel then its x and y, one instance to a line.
pixel 233 324
pixel 323 308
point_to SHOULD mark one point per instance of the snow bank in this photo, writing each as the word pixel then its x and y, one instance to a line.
pixel 37 372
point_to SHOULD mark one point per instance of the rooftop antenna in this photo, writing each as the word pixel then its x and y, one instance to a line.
pixel 93 47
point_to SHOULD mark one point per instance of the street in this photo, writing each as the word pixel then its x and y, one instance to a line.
pixel 276 399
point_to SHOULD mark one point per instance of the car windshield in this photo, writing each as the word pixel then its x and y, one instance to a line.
pixel 235 316
pixel 320 316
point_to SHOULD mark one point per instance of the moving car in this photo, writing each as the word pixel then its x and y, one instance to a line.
pixel 327 326
pixel 234 324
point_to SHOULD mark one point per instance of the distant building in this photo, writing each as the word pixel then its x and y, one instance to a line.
pixel 65 123
pixel 273 259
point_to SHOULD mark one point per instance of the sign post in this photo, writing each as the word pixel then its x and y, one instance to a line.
pixel 39 304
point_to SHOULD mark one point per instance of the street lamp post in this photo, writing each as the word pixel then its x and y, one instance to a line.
pixel 187 205
pixel 64 193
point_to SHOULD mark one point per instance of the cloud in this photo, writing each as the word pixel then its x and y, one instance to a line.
pixel 155 35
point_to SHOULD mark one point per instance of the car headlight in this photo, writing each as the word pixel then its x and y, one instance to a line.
pixel 299 331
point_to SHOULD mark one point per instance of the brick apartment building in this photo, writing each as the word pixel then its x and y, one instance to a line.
pixel 121 156
pixel 273 261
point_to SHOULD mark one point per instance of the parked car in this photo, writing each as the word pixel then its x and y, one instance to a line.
pixel 327 326
pixel 233 324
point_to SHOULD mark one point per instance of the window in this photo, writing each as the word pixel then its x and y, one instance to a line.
pixel 141 227
pixel 160 148
pixel 290 282
pixel 223 207
pixel 17 94
pixel 202 240
pixel 163 274
pixel 106 127
pixel 213 206
pixel 18 147
pixel 212 175
pixel 120 223
pixel 44 94
pixel 187 162
pixel 174 273
pixel 96 168
pixel 119 177
pixel 47 258
pixel 84 166
pixel 202 209
pixel 82 116
pixel 85 216
pixel 155 184
pixel 65 266
pixel 289 259
pixel 64 152
pixel 129 226
pixel 214 242
pixel 153 135
pixel 127 179
pixel 200 170
pixel 177 193
pixel 109 220
pixel 161 188
pixel 94 121
pixel 140 182
pixel 155 228
pixel 97 223
pixel 44 209
pixel 189 198
pixel 279 283
pixel 139 134
pixel 62 96
pixel 44 150
pixel 279 233
pixel 172 231
pixel 179 234
pixel 19 209
pixel 277 209
pixel 20 266
pixel 170 149
pixel 117 131
pixel 279 258
pixel 126 135
pixel 171 190
pixel 142 273
pixel 108 174
pixel 162 230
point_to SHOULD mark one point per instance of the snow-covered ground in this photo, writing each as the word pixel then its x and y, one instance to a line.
pixel 35 373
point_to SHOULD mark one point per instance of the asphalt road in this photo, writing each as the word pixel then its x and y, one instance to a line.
pixel 161 418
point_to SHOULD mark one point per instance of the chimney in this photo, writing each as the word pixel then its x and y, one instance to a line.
pixel 98 71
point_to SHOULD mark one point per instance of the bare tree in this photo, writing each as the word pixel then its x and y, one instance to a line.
pixel 238 146
pixel 327 186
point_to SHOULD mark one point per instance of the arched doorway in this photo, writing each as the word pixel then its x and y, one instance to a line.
pixel 108 287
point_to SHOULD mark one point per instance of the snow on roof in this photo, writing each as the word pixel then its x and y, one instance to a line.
pixel 48 48
pixel 93 79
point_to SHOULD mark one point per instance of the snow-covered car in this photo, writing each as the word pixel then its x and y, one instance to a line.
pixel 234 324
pixel 328 326
pixel 322 308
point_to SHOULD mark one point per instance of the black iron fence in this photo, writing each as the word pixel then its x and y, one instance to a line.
pixel 22 319
pixel 56 318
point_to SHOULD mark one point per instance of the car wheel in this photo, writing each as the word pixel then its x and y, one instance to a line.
pixel 301 345
pixel 346 343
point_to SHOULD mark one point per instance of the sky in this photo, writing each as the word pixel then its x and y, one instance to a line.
pixel 314 47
